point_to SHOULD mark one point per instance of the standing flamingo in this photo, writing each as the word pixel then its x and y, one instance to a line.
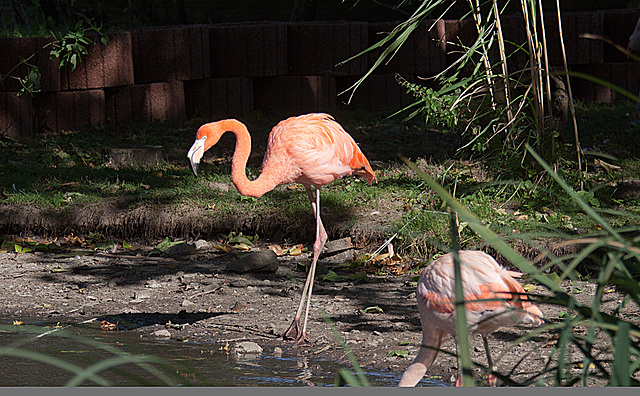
pixel 312 150
pixel 482 279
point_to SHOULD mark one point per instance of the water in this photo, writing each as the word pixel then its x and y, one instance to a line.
pixel 188 363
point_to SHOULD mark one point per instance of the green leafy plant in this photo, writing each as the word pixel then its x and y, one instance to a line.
pixel 69 46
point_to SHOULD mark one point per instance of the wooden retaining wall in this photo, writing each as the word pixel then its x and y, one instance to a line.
pixel 227 70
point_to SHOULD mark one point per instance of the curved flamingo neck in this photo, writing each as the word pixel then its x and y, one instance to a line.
pixel 251 188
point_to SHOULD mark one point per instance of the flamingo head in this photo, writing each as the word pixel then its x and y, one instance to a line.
pixel 196 152
pixel 207 136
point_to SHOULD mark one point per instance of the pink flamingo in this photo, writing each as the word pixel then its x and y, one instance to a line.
pixel 483 279
pixel 312 150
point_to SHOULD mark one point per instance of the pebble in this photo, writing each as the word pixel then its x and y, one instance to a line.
pixel 187 303
pixel 260 261
pixel 141 295
pixel 162 333
pixel 180 249
pixel 277 352
pixel 337 245
pixel 247 347
pixel 200 244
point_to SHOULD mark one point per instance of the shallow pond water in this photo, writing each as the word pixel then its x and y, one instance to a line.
pixel 23 350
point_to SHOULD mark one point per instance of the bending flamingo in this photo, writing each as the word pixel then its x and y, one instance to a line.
pixel 483 279
pixel 312 150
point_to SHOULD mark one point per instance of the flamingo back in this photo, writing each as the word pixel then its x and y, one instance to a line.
pixel 313 149
pixel 483 279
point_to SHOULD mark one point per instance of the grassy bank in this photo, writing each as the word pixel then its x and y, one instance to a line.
pixel 72 171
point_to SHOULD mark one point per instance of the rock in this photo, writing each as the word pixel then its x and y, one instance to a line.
pixel 162 333
pixel 141 295
pixel 181 249
pixel 260 261
pixel 277 352
pixel 187 303
pixel 200 244
pixel 338 245
pixel 247 347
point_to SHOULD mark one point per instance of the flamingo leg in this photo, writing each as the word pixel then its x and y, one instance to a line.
pixel 491 379
pixel 431 340
pixel 321 239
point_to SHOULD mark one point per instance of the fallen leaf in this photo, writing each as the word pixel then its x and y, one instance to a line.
pixel 379 257
pixel 529 287
pixel 374 309
pixel 21 249
pixel 296 250
pixel 242 246
pixel 331 276
pixel 145 186
pixel 358 276
pixel 108 326
pixel 223 248
pixel 167 243
pixel 240 238
pixel 18 323
pixel 278 250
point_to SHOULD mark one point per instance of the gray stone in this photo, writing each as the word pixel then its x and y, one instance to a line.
pixel 187 303
pixel 181 249
pixel 260 261
pixel 200 244
pixel 247 347
pixel 338 245
pixel 162 333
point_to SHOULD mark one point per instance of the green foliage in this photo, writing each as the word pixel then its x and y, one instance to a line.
pixel 437 107
pixel 68 44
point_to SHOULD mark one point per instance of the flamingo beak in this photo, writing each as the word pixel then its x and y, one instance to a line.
pixel 195 154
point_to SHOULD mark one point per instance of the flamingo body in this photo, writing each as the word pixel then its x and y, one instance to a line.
pixel 311 149
pixel 482 278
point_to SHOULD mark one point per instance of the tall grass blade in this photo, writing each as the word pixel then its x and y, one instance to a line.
pixel 462 329
pixel 620 375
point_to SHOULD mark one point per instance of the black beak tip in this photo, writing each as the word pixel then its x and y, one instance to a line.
pixel 195 169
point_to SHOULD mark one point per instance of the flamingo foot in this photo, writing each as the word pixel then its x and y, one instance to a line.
pixel 298 336
pixel 492 380
pixel 295 326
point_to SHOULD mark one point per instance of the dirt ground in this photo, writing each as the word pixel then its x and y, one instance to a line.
pixel 194 297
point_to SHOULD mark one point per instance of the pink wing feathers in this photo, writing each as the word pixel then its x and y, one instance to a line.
pixel 483 279
pixel 313 149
